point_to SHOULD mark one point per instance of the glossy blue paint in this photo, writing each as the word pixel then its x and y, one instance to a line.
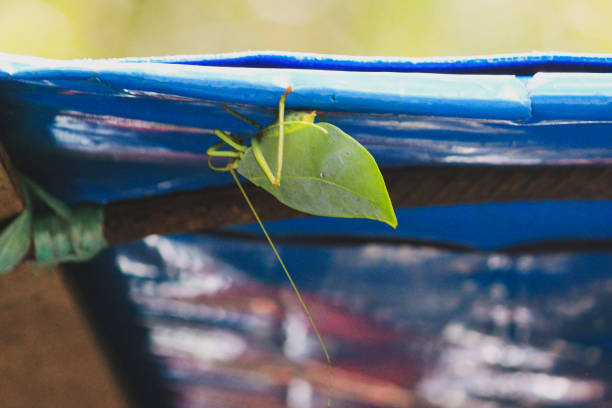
pixel 194 319
pixel 514 64
pixel 115 129
pixel 475 96
pixel 486 226
pixel 571 96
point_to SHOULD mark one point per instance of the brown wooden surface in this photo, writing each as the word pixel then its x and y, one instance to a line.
pixel 11 202
pixel 215 207
pixel 48 355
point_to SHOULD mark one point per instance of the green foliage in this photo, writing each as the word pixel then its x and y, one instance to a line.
pixel 327 174
pixel 66 234
pixel 116 28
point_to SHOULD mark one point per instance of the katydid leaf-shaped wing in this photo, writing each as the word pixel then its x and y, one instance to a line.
pixel 327 174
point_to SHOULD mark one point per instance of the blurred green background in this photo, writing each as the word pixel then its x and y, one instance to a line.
pixel 118 28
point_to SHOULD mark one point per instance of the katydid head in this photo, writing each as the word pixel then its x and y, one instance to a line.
pixel 300 116
pixel 295 120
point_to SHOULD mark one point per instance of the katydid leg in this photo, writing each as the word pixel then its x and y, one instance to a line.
pixel 239 116
pixel 214 151
pixel 228 167
pixel 281 137
pixel 227 138
pixel 261 160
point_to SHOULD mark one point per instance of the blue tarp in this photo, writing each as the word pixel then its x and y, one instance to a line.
pixel 423 325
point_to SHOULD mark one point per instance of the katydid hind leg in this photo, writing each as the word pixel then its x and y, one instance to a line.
pixel 261 160
pixel 281 137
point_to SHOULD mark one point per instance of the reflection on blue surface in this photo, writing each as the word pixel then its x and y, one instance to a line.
pixel 154 120
pixel 405 326
pixel 110 130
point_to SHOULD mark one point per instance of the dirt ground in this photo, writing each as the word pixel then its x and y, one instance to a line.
pixel 48 355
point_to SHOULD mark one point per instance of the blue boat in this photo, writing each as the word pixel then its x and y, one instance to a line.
pixel 494 290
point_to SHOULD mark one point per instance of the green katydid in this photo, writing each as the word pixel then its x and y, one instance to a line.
pixel 326 172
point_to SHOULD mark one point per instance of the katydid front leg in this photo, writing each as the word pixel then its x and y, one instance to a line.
pixel 229 140
pixel 214 151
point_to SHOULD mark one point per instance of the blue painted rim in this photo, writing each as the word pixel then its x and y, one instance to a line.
pixel 514 64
